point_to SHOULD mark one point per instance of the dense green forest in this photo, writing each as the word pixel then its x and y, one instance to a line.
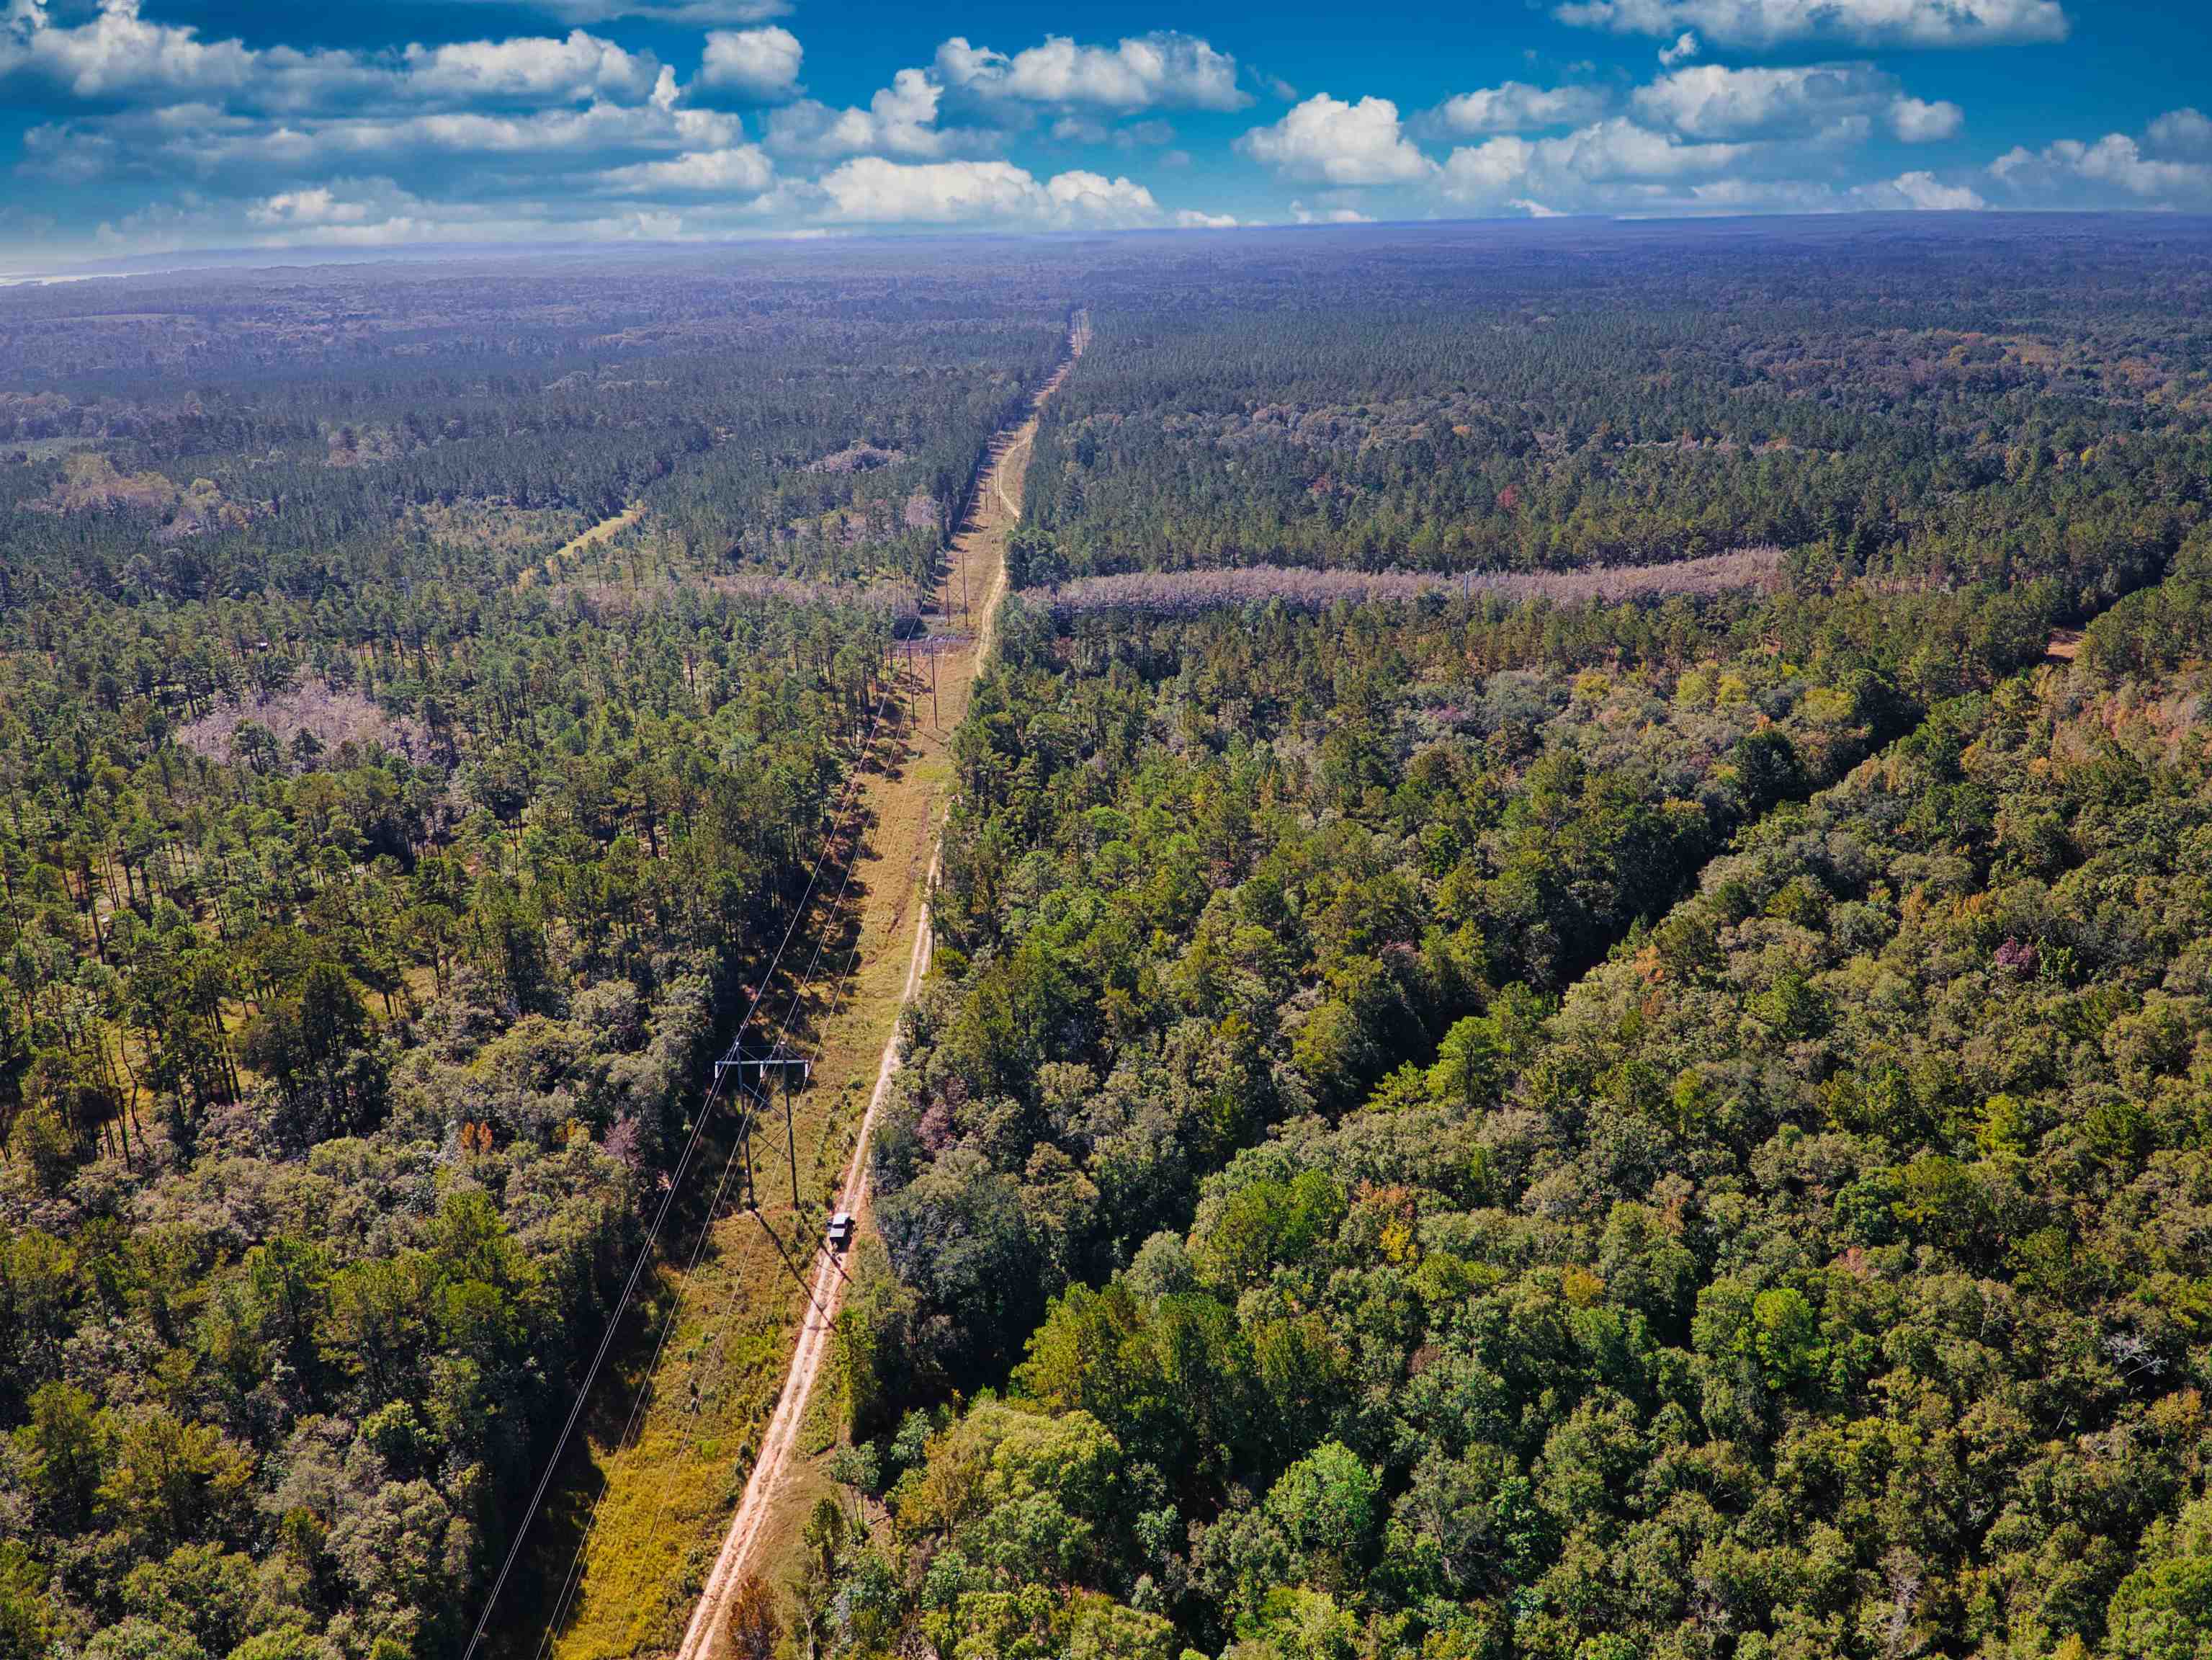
pixel 1448 1119
pixel 1348 834
pixel 1892 407
pixel 1818 1276
pixel 1477 1126
pixel 314 436
pixel 372 910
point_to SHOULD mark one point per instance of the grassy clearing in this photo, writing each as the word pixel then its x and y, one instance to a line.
pixel 669 1491
pixel 980 554
pixel 556 563
pixel 670 1488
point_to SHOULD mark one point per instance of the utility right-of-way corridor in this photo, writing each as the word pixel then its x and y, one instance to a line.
pixel 979 553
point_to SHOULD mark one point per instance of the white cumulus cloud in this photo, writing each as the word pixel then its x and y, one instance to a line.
pixel 1094 200
pixel 684 14
pixel 738 170
pixel 371 213
pixel 1303 214
pixel 119 55
pixel 118 52
pixel 1161 71
pixel 1330 142
pixel 1708 100
pixel 1921 192
pixel 536 70
pixel 1612 164
pixel 1918 121
pixel 540 139
pixel 901 120
pixel 2184 131
pixel 758 63
pixel 2112 171
pixel 320 205
pixel 1517 107
pixel 1764 24
pixel 869 190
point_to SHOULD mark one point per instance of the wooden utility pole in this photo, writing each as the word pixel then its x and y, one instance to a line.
pixel 784 1063
pixel 790 1138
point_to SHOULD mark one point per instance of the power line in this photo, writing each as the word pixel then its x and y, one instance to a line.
pixel 683 1168
pixel 721 1324
pixel 646 1253
pixel 733 1058
pixel 572 1578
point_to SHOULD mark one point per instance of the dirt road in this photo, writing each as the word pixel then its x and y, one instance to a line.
pixel 984 545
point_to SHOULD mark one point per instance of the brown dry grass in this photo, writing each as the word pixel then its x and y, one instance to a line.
pixel 1184 592
pixel 334 715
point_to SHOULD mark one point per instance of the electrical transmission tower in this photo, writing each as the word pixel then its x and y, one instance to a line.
pixel 781 1062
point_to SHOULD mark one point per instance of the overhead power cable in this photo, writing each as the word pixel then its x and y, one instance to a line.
pixel 647 1250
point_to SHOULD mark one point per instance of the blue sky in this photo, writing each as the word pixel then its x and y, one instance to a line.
pixel 147 127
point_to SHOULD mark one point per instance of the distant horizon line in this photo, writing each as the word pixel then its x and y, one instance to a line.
pixel 249 259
